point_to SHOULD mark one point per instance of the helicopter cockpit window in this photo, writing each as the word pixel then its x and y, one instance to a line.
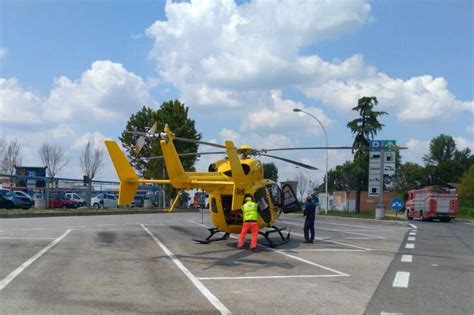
pixel 245 168
pixel 212 167
pixel 263 205
pixel 274 192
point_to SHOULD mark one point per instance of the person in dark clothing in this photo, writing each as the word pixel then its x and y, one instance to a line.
pixel 310 216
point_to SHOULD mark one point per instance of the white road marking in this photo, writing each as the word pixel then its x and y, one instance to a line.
pixel 407 258
pixel 385 313
pixel 269 277
pixel 401 279
pixel 25 238
pixel 32 229
pixel 411 238
pixel 342 231
pixel 325 250
pixel 291 256
pixel 412 233
pixel 25 265
pixel 413 226
pixel 198 284
pixel 339 243
pixel 410 246
pixel 469 223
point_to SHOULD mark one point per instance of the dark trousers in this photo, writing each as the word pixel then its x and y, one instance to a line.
pixel 309 229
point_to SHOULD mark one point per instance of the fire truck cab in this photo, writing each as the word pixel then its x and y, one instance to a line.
pixel 432 203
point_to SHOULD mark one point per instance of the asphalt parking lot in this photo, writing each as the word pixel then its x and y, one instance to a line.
pixel 149 264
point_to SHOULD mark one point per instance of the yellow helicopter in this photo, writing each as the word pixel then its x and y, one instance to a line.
pixel 227 181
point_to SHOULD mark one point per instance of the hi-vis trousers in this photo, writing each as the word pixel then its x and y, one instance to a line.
pixel 246 227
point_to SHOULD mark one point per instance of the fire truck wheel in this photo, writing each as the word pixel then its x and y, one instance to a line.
pixel 445 219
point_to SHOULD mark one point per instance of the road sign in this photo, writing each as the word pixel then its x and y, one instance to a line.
pixel 375 144
pixel 389 143
pixel 396 204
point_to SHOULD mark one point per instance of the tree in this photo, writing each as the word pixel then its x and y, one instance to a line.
pixel 465 158
pixel 11 158
pixel 410 176
pixel 442 148
pixel 3 149
pixel 52 157
pixel 449 171
pixel 270 171
pixel 466 190
pixel 303 185
pixel 91 162
pixel 173 113
pixel 364 128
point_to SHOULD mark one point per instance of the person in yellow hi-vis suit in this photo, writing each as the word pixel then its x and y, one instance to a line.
pixel 250 217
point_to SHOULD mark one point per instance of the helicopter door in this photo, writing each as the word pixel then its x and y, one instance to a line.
pixel 263 204
pixel 289 201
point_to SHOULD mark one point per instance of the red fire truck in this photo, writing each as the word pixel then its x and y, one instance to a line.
pixel 432 203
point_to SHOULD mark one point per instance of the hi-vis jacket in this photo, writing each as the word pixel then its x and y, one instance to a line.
pixel 249 210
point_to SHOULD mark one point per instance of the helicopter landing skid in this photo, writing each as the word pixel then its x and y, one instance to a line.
pixel 208 240
pixel 272 244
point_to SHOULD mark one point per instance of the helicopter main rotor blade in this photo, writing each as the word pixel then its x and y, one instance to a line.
pixel 220 146
pixel 186 154
pixel 308 148
pixel 291 161
pixel 139 145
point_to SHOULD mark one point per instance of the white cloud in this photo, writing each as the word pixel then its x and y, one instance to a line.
pixel 279 116
pixel 106 91
pixel 18 105
pixel 255 47
pixel 462 143
pixel 470 129
pixel 416 150
pixel 247 48
pixel 416 99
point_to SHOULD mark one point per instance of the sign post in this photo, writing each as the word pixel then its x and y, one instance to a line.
pixel 396 204
pixel 381 162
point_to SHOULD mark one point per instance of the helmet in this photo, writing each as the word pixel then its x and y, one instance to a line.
pixel 248 198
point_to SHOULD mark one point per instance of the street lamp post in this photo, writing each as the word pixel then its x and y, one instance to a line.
pixel 326 136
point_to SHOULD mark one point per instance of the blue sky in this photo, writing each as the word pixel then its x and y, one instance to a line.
pixel 75 70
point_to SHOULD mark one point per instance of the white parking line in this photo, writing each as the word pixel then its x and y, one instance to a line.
pixel 342 231
pixel 339 243
pixel 25 265
pixel 411 238
pixel 325 250
pixel 401 279
pixel 291 256
pixel 410 246
pixel 198 284
pixel 413 226
pixel 25 238
pixel 407 258
pixel 269 277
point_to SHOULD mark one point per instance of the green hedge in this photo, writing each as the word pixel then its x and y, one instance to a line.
pixel 466 207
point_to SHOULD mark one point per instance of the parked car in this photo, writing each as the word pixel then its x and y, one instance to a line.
pixel 9 195
pixel 75 197
pixel 60 201
pixel 6 203
pixel 25 200
pixel 104 200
